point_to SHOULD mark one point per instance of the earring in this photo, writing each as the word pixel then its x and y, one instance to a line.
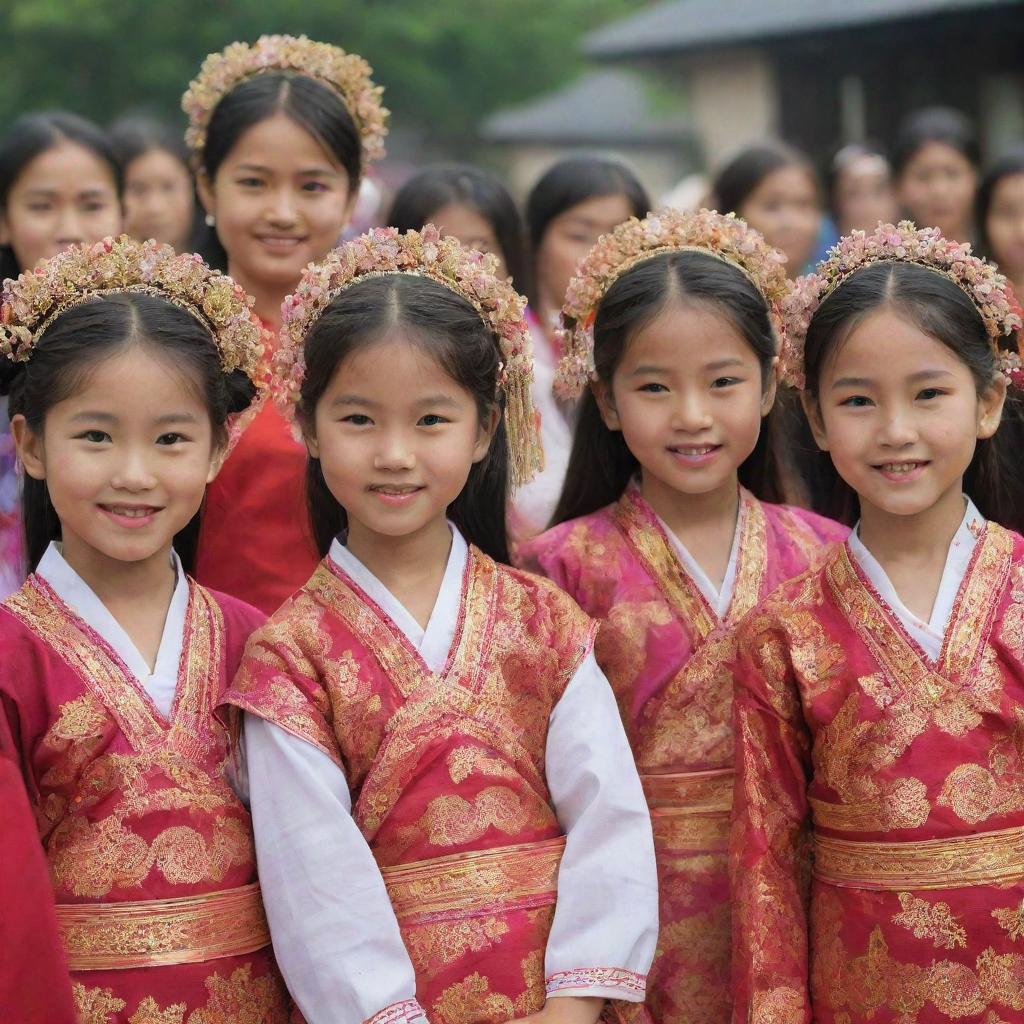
pixel 211 221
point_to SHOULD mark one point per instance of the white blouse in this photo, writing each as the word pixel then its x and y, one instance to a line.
pixel 929 635
pixel 718 597
pixel 335 934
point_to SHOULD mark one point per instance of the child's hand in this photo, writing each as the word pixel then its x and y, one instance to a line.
pixel 567 1010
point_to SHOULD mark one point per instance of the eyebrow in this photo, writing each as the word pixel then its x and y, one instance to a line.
pixel 648 368
pixel 37 193
pixel 307 172
pixel 721 364
pixel 914 378
pixel 169 419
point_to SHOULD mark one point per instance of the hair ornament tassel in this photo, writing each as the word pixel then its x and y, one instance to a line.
pixel 906 243
pixel 466 272
pixel 723 236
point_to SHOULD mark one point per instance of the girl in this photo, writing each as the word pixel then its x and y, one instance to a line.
pixel 672 317
pixel 880 696
pixel 935 160
pixel 281 132
pixel 159 193
pixel 60 184
pixel 423 724
pixel 774 188
pixel 474 207
pixel 1000 209
pixel 860 188
pixel 124 362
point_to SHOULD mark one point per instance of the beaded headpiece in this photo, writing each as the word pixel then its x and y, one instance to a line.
pixel 82 273
pixel 723 236
pixel 470 274
pixel 346 73
pixel 905 243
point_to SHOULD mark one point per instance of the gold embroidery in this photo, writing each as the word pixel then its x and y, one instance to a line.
pixel 94 1005
pixel 472 999
pixel 447 941
pixel 149 1012
pixel 1011 920
pixel 241 999
pixel 975 792
pixel 933 921
pixel 453 821
pixel 466 761
pixel 985 858
pixel 782 1005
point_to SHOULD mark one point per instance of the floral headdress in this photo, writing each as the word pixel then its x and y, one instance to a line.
pixel 82 273
pixel 468 273
pixel 905 243
pixel 346 73
pixel 723 236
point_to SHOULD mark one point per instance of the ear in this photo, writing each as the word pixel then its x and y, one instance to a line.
pixel 771 387
pixel 30 447
pixel 5 232
pixel 602 392
pixel 813 413
pixel 217 458
pixel 485 435
pixel 350 203
pixel 204 189
pixel 990 407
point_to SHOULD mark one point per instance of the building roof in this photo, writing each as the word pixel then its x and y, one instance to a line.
pixel 608 106
pixel 677 26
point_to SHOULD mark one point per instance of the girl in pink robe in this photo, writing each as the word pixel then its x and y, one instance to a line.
pixel 663 535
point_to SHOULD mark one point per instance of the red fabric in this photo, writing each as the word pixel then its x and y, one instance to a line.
pixel 255 542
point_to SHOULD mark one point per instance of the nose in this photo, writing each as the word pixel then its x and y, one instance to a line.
pixel 133 472
pixel 395 453
pixel 898 429
pixel 281 212
pixel 70 230
pixel 691 413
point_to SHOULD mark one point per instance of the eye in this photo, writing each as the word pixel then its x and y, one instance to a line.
pixel 39 207
pixel 653 388
pixel 314 186
pixel 94 205
pixel 432 419
pixel 170 438
pixel 725 382
pixel 250 182
pixel 93 436
pixel 357 419
pixel 928 393
pixel 856 401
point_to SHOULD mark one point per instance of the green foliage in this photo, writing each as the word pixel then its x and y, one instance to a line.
pixel 445 65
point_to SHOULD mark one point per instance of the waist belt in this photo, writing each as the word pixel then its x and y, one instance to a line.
pixel 690 810
pixel 151 933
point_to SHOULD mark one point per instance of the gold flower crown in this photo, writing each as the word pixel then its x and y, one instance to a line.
pixel 905 243
pixel 346 73
pixel 723 236
pixel 470 274
pixel 82 273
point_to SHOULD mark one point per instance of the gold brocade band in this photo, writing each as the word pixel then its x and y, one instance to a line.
pixel 154 933
pixel 986 858
pixel 690 810
pixel 466 884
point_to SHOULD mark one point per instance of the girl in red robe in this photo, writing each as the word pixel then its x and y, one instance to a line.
pixel 448 820
pixel 660 538
pixel 123 362
pixel 878 837
pixel 281 132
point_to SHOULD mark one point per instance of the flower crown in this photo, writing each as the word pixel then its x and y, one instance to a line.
pixel 346 73
pixel 82 273
pixel 468 273
pixel 905 243
pixel 723 236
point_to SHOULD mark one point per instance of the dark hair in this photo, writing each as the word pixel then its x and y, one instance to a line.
pixel 30 136
pixel 309 103
pixel 935 124
pixel 939 308
pixel 573 181
pixel 601 464
pixel 448 327
pixel 1006 166
pixel 426 192
pixel 745 171
pixel 83 336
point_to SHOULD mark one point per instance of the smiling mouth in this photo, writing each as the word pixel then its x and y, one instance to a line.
pixel 131 511
pixel 900 468
pixel 280 241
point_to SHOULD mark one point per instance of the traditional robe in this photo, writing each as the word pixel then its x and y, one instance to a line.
pixel 878 843
pixel 421 797
pixel 150 850
pixel 665 642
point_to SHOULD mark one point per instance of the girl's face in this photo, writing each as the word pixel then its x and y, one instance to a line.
pixel 396 437
pixel 471 228
pixel 1004 225
pixel 937 189
pixel 126 459
pixel 900 415
pixel 786 209
pixel 570 236
pixel 864 194
pixel 159 199
pixel 688 397
pixel 66 195
pixel 280 202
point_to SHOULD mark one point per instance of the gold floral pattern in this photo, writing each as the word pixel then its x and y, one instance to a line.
pixel 934 921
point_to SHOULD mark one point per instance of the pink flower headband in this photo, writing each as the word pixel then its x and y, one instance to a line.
pixel 723 236
pixel 904 243
pixel 346 73
pixel 468 273
pixel 82 273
